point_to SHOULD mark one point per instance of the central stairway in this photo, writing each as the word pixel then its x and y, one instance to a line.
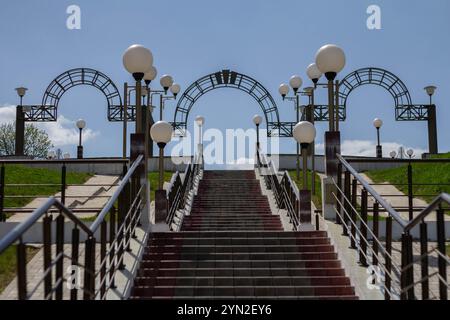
pixel 232 246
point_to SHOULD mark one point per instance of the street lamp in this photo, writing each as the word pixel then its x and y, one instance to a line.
pixel 313 73
pixel 81 124
pixel 283 90
pixel 430 91
pixel 137 60
pixel 377 123
pixel 393 154
pixel 150 75
pixel 200 122
pixel 410 153
pixel 166 82
pixel 20 123
pixel 330 60
pixel 304 133
pixel 175 89
pixel 295 82
pixel 257 119
pixel 51 155
pixel 161 133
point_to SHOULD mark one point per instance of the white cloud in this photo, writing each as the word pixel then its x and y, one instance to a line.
pixel 61 132
pixel 367 148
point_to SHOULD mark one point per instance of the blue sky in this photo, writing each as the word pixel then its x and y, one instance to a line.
pixel 268 40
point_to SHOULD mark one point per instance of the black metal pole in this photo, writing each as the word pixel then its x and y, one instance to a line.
pixel 432 130
pixel 379 148
pixel 410 192
pixel 20 130
pixel 80 146
pixel 161 105
pixel 297 144
pixel 330 105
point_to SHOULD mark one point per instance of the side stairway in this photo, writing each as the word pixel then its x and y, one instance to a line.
pixel 231 246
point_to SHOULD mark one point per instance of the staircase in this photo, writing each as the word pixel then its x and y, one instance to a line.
pixel 232 246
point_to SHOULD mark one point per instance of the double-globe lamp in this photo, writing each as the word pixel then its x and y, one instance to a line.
pixel 378 123
pixel 81 124
pixel 330 60
pixel 304 133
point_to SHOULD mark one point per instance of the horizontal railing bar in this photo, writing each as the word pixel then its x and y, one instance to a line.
pixel 19 230
pixel 443 197
pixel 65 161
pixel 406 161
pixel 373 193
pixel 115 196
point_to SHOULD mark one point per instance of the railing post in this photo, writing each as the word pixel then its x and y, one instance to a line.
pixel 346 200
pixel 75 256
pixel 59 251
pixel 376 210
pixel 410 193
pixel 339 195
pixel 407 278
pixel 442 264
pixel 387 259
pixel 21 271
pixel 89 269
pixel 363 227
pixel 353 214
pixel 424 260
pixel 47 253
pixel 63 183
pixel 112 246
pixel 2 193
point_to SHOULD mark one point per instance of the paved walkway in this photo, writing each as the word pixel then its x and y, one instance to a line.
pixel 89 197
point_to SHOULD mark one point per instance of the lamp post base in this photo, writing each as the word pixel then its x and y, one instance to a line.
pixel 80 152
pixel 161 206
pixel 379 152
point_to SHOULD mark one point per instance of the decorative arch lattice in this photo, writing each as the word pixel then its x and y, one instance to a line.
pixel 47 111
pixel 226 79
pixel 405 110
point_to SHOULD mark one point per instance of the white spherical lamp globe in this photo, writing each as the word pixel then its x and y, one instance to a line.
pixel 161 132
pixel 295 82
pixel 166 81
pixel 257 119
pixel 313 72
pixel 377 123
pixel 330 60
pixel 175 89
pixel 81 124
pixel 304 132
pixel 410 152
pixel 66 155
pixel 151 74
pixel 393 154
pixel 51 154
pixel 283 89
pixel 200 120
pixel 137 60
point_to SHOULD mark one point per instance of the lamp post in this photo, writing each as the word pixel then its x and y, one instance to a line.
pixel 378 123
pixel 149 76
pixel 20 124
pixel 430 90
pixel 166 82
pixel 200 122
pixel 257 119
pixel 410 153
pixel 432 127
pixel 81 124
pixel 304 133
pixel 330 60
pixel 161 133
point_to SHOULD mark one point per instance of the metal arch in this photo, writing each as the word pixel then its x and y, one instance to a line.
pixel 47 111
pixel 404 109
pixel 225 79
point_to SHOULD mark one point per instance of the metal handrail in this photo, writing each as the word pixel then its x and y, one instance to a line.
pixel 372 191
pixel 108 206
pixel 18 231
pixel 443 197
pixel 62 161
